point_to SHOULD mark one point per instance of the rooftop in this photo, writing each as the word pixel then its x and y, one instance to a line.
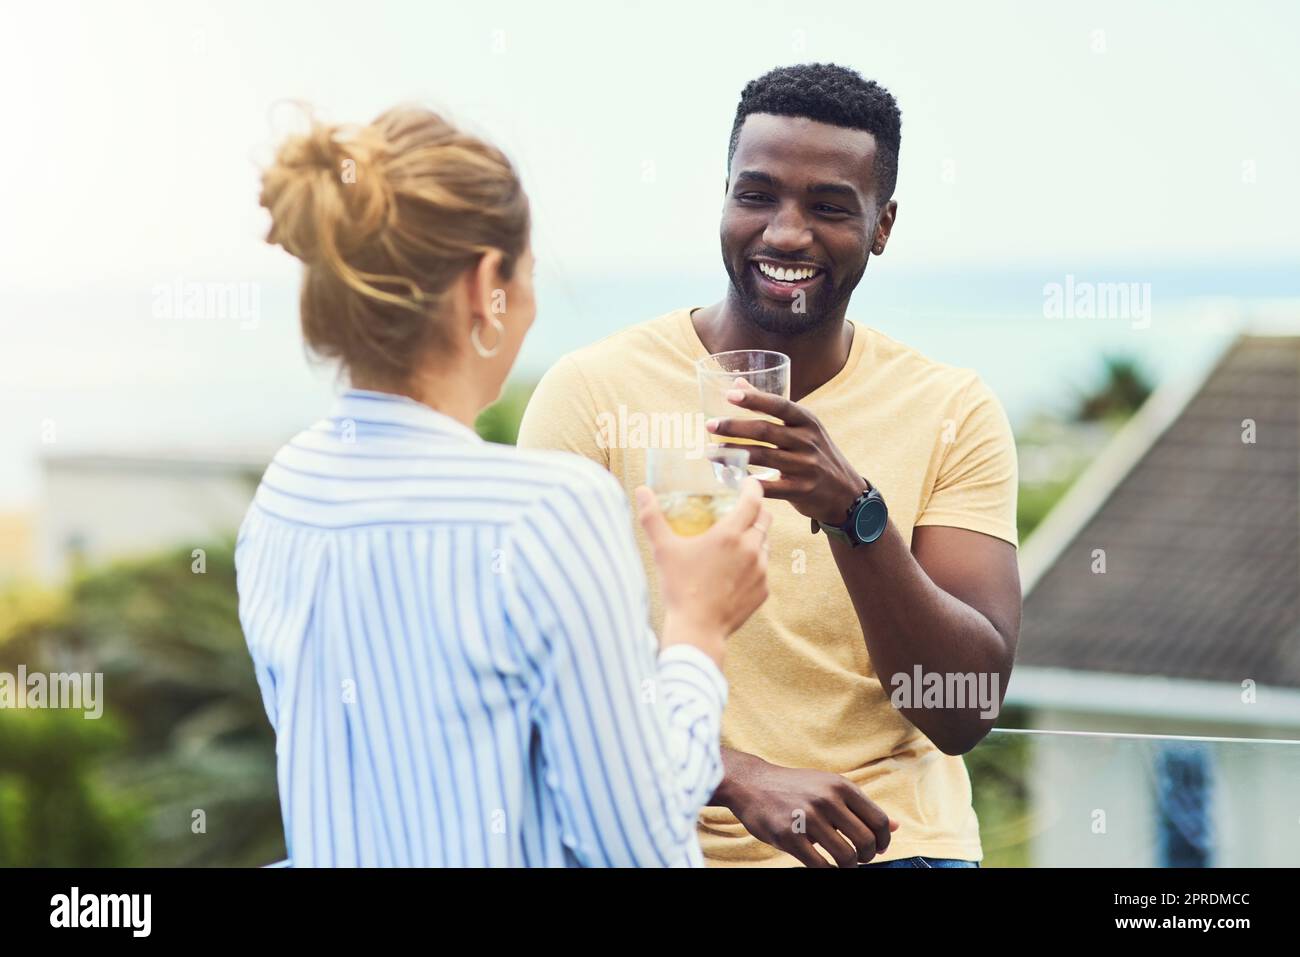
pixel 1201 538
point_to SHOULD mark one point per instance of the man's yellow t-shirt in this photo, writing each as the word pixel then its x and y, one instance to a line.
pixel 803 694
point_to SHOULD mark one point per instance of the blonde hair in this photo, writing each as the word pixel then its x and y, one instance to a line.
pixel 384 218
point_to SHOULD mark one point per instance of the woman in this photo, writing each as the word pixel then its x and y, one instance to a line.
pixel 451 636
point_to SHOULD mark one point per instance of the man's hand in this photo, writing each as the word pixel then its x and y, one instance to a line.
pixel 816 478
pixel 794 808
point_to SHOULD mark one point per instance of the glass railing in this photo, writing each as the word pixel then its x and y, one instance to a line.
pixel 1095 799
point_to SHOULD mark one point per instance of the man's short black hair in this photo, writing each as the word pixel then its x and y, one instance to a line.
pixel 828 94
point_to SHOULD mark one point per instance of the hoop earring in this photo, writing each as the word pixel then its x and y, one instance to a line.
pixel 477 343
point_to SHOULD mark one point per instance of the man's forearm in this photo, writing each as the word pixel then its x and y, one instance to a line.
pixel 908 620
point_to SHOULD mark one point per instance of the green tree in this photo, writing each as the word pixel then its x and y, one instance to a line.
pixel 55 810
pixel 192 744
pixel 1123 389
pixel 499 422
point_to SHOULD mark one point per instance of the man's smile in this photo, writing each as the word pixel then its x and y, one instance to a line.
pixel 782 280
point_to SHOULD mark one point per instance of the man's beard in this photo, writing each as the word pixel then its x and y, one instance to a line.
pixel 818 310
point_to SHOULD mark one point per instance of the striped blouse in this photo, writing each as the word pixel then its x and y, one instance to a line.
pixel 452 644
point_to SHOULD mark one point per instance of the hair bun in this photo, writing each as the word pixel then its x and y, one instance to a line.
pixel 313 150
pixel 326 192
pixel 385 218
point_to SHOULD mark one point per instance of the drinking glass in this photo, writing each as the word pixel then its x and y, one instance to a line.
pixel 695 490
pixel 765 371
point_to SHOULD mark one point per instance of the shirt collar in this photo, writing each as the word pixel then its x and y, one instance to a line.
pixel 366 407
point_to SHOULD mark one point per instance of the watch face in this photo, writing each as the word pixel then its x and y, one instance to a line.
pixel 871 519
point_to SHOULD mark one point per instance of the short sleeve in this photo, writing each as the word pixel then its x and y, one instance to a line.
pixel 975 487
pixel 562 415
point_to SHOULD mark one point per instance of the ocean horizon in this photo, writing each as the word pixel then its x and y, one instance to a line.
pixel 123 366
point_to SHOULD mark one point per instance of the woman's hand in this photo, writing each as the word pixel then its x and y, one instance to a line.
pixel 712 582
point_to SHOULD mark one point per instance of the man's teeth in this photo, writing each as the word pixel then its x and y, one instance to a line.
pixel 786 275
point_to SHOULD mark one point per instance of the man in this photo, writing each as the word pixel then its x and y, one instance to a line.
pixel 847 713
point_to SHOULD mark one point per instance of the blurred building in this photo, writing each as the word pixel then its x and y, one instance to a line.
pixel 1162 596
pixel 17 552
pixel 99 507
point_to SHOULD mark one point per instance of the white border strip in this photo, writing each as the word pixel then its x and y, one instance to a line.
pixel 1145 737
pixel 1136 696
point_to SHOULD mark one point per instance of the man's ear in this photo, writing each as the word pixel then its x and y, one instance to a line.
pixel 884 226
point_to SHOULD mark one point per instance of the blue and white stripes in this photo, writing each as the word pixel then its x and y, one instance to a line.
pixel 452 644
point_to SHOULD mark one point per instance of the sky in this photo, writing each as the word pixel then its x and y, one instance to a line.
pixel 1128 142
pixel 1112 132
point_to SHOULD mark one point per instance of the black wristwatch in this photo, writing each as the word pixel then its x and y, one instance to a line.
pixel 867 518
